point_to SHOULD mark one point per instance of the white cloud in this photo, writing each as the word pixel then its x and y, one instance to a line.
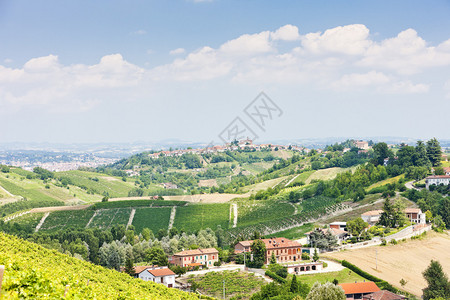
pixel 177 51
pixel 248 44
pixel 350 40
pixel 342 59
pixel 8 61
pixel 407 53
pixel 286 33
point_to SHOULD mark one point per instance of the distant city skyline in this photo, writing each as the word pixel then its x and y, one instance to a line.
pixel 118 72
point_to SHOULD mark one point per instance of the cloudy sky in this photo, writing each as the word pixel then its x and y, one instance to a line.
pixel 123 71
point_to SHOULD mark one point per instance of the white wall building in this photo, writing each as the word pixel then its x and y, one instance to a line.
pixel 437 180
pixel 161 275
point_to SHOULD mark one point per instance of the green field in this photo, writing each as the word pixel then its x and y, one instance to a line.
pixel 59 220
pixel 137 203
pixel 200 216
pixel 344 276
pixel 106 218
pixel 257 211
pixel 27 189
pixel 294 233
pixel 153 218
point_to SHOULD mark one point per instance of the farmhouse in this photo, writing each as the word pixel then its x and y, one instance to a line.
pixel 284 249
pixel 372 217
pixel 415 215
pixel 437 180
pixel 339 234
pixel 447 171
pixel 339 225
pixel 358 290
pixel 383 295
pixel 198 257
pixel 161 275
pixel 363 145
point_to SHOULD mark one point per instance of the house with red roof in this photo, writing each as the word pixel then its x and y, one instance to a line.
pixel 156 274
pixel 358 290
pixel 383 295
pixel 195 258
pixel 284 249
pixel 437 180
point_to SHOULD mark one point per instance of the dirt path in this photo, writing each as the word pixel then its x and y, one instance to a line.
pixel 92 218
pixel 406 260
pixel 235 214
pixel 41 222
pixel 290 181
pixel 173 212
pixel 130 220
pixel 59 208
pixel 7 192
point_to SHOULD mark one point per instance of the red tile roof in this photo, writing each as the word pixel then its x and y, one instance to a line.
pixel 196 252
pixel 274 243
pixel 161 272
pixel 438 177
pixel 384 295
pixel 359 287
pixel 140 269
pixel 411 210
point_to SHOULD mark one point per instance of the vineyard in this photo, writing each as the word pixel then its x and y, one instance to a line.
pixel 154 218
pixel 252 212
pixel 106 218
pixel 67 219
pixel 33 272
pixel 237 284
pixel 200 216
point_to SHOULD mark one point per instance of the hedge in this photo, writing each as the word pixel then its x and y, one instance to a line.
pixel 384 285
pixel 275 277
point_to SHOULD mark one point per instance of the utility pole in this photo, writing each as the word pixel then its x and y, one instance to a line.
pixel 376 259
pixel 224 289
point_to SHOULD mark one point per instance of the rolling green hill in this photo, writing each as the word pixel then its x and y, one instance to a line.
pixel 33 272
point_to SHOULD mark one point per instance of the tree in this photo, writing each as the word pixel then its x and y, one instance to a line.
pixel 421 158
pixel 386 215
pixel 156 256
pixel 434 152
pixel 129 265
pixel 438 283
pixel 294 285
pixel 316 255
pixel 326 291
pixel 273 259
pixel 381 151
pixel 356 226
pixel 147 234
pixel 259 254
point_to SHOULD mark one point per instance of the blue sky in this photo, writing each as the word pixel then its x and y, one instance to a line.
pixel 119 71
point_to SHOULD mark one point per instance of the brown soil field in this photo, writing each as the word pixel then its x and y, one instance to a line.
pixel 207 183
pixel 405 260
pixel 206 198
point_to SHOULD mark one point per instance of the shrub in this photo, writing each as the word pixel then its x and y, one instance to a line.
pixel 305 256
pixel 217 263
pixel 275 277
pixel 393 242
pixel 383 242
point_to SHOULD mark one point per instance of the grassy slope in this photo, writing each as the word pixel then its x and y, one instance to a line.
pixel 344 276
pixel 39 273
pixel 295 233
pixel 384 182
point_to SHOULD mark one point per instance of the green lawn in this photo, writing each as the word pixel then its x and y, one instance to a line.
pixel 294 233
pixel 200 216
pixel 384 182
pixel 106 218
pixel 154 218
pixel 344 276
pixel 59 220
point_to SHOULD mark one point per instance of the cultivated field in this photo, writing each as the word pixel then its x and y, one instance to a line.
pixel 326 174
pixel 195 217
pixel 154 218
pixel 405 260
